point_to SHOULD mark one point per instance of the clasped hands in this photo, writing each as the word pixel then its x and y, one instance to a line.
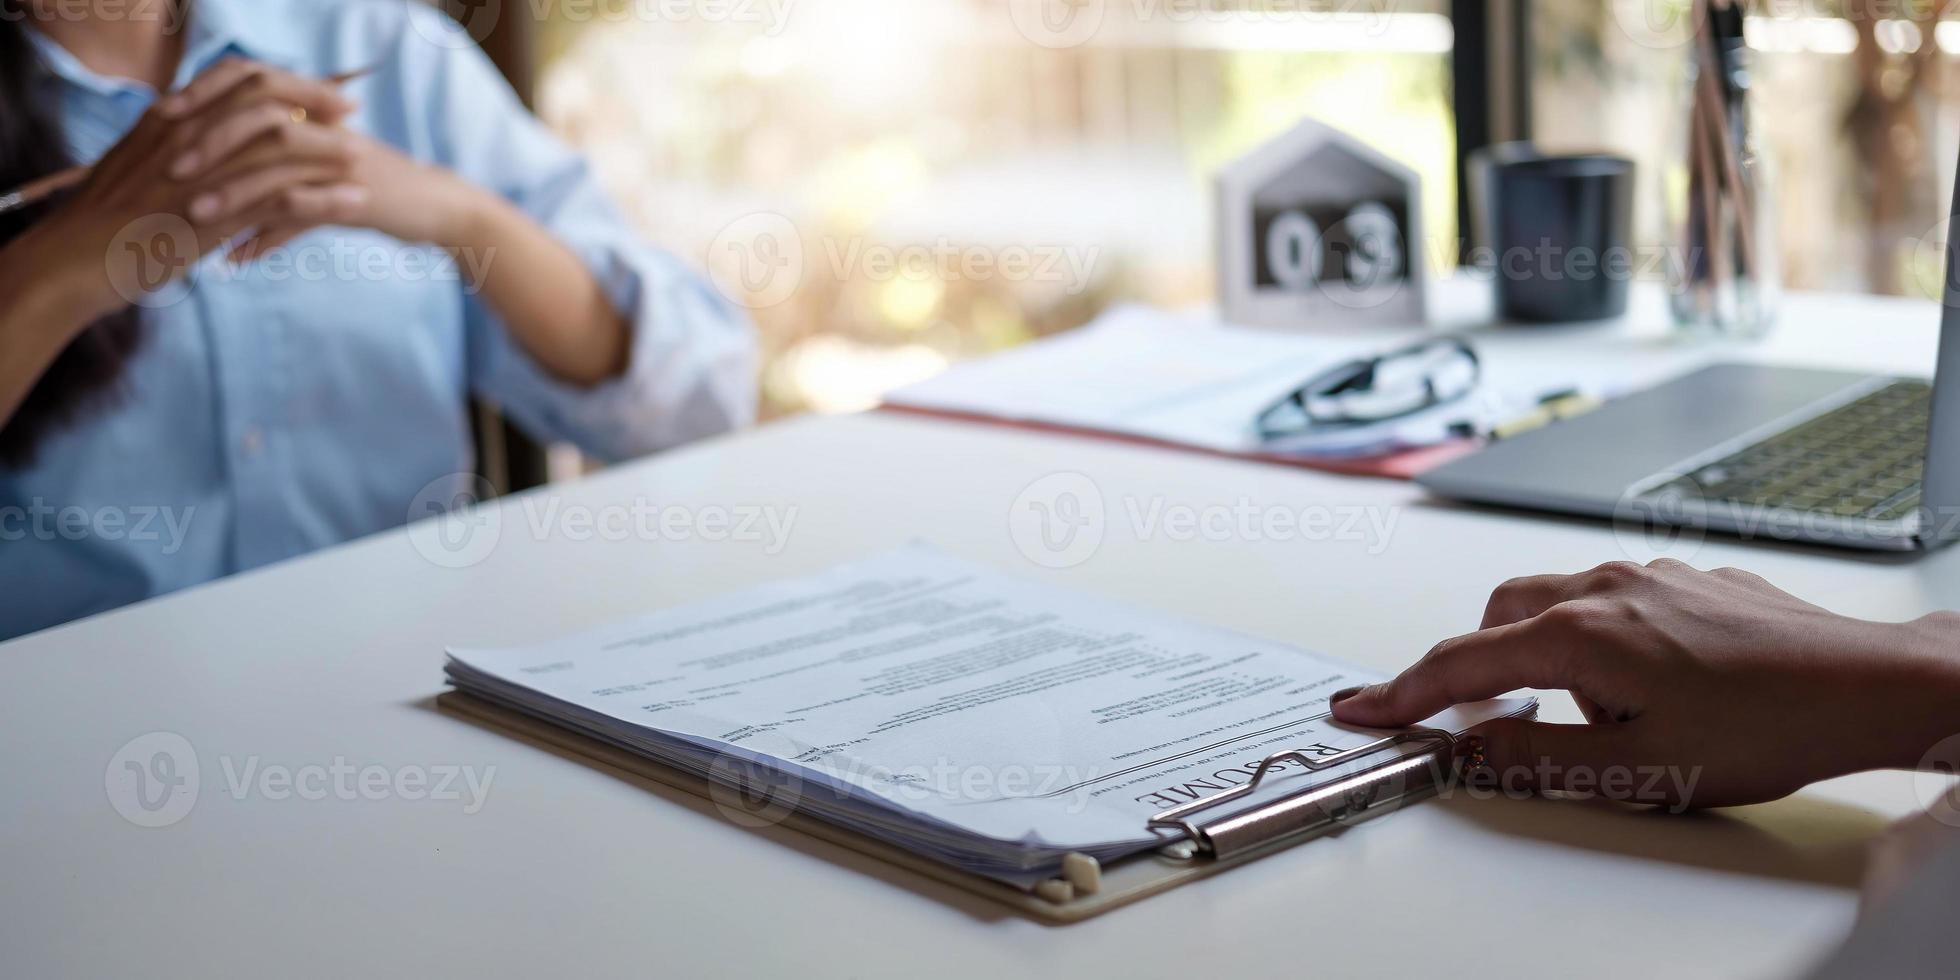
pixel 246 148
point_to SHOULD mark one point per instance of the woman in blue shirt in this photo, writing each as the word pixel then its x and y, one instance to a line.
pixel 254 329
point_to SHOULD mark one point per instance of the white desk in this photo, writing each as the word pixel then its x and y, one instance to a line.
pixel 569 870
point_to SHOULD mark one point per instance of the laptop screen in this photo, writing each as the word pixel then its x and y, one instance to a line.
pixel 1940 490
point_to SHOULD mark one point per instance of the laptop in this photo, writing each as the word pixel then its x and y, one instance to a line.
pixel 1763 452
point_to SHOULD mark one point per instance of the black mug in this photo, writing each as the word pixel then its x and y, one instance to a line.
pixel 1556 229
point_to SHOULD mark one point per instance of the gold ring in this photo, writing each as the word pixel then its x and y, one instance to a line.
pixel 299 114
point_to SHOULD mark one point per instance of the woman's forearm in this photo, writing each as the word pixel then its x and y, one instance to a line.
pixel 552 305
pixel 40 313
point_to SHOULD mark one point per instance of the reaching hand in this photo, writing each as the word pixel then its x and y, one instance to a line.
pixel 1739 690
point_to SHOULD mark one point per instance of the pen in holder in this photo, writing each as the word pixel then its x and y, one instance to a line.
pixel 1724 281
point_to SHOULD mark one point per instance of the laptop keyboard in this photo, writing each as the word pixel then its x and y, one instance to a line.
pixel 1862 461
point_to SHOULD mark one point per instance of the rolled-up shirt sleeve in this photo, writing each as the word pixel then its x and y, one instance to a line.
pixel 692 365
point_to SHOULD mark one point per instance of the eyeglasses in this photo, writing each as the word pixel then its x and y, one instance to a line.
pixel 1377 389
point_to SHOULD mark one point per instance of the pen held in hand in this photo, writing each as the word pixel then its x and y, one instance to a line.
pixel 36 191
pixel 40 189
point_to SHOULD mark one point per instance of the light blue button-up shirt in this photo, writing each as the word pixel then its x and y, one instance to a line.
pixel 292 404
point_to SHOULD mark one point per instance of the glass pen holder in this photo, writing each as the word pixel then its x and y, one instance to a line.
pixel 1723 278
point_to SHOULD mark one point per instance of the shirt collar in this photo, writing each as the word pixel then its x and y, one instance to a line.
pixel 216 29
pixel 56 60
pixel 253 28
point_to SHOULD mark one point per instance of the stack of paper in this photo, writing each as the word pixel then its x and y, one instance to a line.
pixel 1192 382
pixel 993 724
pixel 1181 380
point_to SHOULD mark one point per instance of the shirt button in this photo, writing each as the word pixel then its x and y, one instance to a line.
pixel 252 442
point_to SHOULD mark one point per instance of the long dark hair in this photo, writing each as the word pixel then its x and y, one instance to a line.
pixel 83 376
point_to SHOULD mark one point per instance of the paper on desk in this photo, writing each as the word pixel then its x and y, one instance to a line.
pixel 1193 382
pixel 993 723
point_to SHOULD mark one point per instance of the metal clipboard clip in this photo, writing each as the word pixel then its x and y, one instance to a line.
pixel 1313 809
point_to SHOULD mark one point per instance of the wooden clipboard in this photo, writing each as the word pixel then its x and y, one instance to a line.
pixel 1211 846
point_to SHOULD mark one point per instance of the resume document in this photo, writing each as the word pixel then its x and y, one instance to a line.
pixel 990 722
